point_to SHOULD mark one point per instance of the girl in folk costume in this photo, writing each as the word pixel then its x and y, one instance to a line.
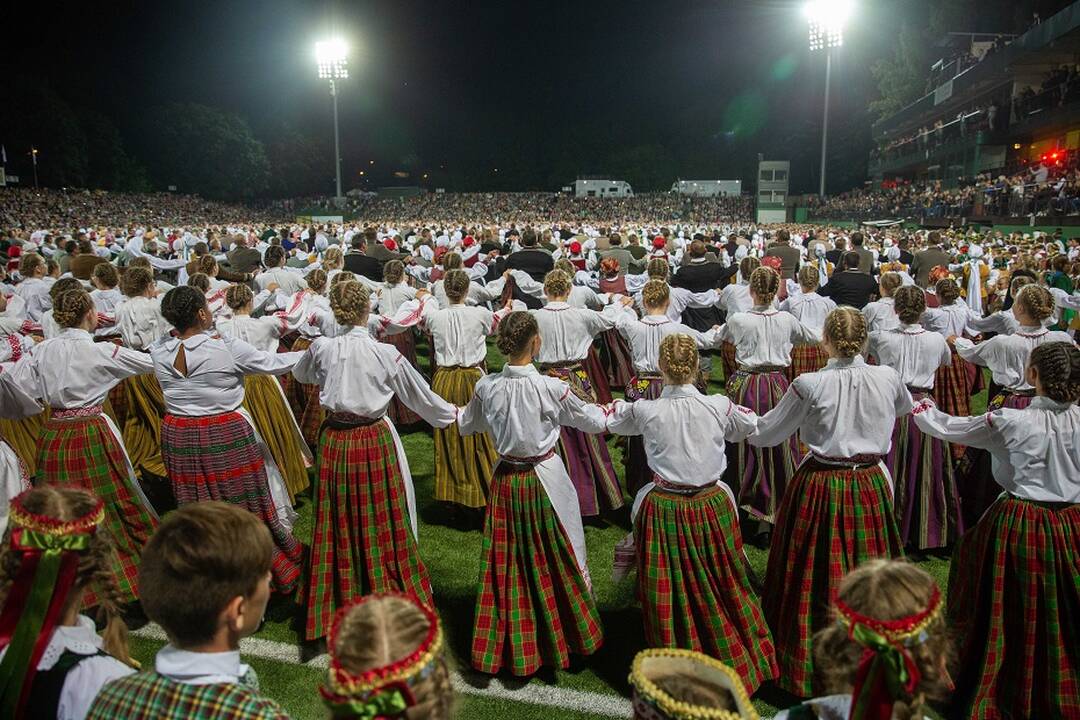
pixel 837 511
pixel 459 333
pixel 208 265
pixel 81 446
pixel 264 398
pixel 304 399
pixel 391 296
pixel 34 288
pixel 14 403
pixel 974 277
pixel 1007 358
pixel 386 661
pixel 644 338
pixel 691 574
pixel 52 661
pixel 810 309
pixel 49 327
pixel 581 296
pixel 20 430
pixel 568 334
pixel 735 298
pixel 886 654
pixel 881 314
pixel 215 299
pixel 936 275
pixel 925 493
pixel 670 684
pixel 535 604
pixel 955 382
pixel 106 297
pixel 614 354
pixel 208 441
pixel 365 505
pixel 1004 321
pixel 1013 590
pixel 763 338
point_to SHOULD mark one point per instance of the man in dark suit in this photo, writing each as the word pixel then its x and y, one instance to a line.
pixel 837 253
pixel 530 258
pixel 850 286
pixel 905 251
pixel 700 275
pixel 379 250
pixel 789 256
pixel 867 259
pixel 357 261
pixel 243 259
pixel 926 260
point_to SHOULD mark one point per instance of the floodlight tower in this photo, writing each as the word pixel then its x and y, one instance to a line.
pixel 332 59
pixel 826 19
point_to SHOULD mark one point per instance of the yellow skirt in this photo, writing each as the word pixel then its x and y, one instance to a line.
pixel 142 423
pixel 265 401
pixel 463 465
pixel 22 436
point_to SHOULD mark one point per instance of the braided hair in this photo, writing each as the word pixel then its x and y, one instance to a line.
pixel 1058 367
pixel 557 284
pixel 208 265
pixel 393 272
pixel 351 303
pixel 106 274
pixel 1035 301
pixel 889 282
pixel 62 286
pixel 238 297
pixel 748 265
pixel 515 332
pixel 909 304
pixel 764 284
pixel 845 330
pixel 316 280
pixel 181 307
pixel 136 281
pixel 679 358
pixel 199 281
pixel 658 268
pixel 947 290
pixel 70 307
pixel 655 294
pixel 456 285
pixel 809 277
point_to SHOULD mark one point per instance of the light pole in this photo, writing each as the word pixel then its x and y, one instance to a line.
pixel 332 58
pixel 826 19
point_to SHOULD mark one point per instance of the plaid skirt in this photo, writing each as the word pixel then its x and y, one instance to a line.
pixel 830 520
pixel 142 423
pixel 22 435
pixel 117 405
pixel 586 456
pixel 635 462
pixel 925 496
pixel 264 401
pixel 83 452
pixel 1013 607
pixel 727 359
pixel 304 400
pixel 463 465
pixel 362 542
pixel 597 375
pixel 954 385
pixel 533 605
pixel 762 472
pixel 400 413
pixel 216 457
pixel 693 585
pixel 806 359
pixel 616 359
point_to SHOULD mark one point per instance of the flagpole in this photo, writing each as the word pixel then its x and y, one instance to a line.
pixel 33 156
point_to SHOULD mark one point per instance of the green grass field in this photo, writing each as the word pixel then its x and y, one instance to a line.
pixel 452 558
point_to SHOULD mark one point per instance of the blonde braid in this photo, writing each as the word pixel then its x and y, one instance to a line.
pixel 658 268
pixel 350 302
pixel 679 358
pixel 764 284
pixel 557 284
pixel 71 307
pixel 845 329
pixel 655 294
pixel 238 296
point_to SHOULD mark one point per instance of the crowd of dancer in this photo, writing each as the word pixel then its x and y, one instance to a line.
pixel 161 413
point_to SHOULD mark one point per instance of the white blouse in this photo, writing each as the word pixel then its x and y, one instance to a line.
pixel 35 293
pixel 288 281
pixel 216 367
pixel 140 322
pixel 12 344
pixel 844 410
pixel 913 352
pixel 72 371
pixel 881 315
pixel 391 298
pixel 360 375
pixel 1035 452
pixel 262 333
pixel 764 336
pixel 645 335
pixel 567 333
pixel 950 320
pixel 1007 355
pixel 459 332
pixel 735 298
pixel 810 309
pixel 680 298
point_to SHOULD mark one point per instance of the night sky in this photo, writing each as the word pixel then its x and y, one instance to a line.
pixel 541 90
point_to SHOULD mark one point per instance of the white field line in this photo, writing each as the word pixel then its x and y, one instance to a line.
pixel 471 684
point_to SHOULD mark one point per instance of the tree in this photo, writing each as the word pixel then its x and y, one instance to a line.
pixel 300 164
pixel 32 115
pixel 110 165
pixel 204 150
pixel 902 78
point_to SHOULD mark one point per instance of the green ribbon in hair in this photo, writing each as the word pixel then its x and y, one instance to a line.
pixel 389 702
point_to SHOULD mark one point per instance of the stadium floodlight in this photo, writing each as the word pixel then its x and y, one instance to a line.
pixel 826 19
pixel 331 57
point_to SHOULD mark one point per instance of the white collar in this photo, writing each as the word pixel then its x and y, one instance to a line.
pixel 1043 402
pixel 193 668
pixel 76 334
pixel 678 391
pixel 655 319
pixel 519 370
pixel 81 639
pixel 358 331
pixel 839 363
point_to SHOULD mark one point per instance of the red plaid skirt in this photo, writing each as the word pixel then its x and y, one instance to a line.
pixel 83 452
pixel 216 457
pixel 830 520
pixel 693 584
pixel 1013 607
pixel 806 359
pixel 954 385
pixel 362 541
pixel 534 606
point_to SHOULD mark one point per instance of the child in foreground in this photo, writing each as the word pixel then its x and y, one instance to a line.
pixel 206 574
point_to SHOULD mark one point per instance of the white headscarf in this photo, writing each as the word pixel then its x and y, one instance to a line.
pixel 974 284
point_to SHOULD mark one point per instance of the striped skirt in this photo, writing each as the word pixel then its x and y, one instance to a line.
pixel 463 465
pixel 830 520
pixel 83 452
pixel 22 435
pixel 926 500
pixel 586 456
pixel 693 584
pixel 597 375
pixel 142 423
pixel 217 457
pixel 762 472
pixel 806 359
pixel 400 413
pixel 304 400
pixel 265 402
pixel 975 474
pixel 533 606
pixel 635 462
pixel 616 359
pixel 1013 607
pixel 362 542
pixel 953 387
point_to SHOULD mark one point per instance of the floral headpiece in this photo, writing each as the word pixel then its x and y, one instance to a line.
pixel 650 701
pixel 385 692
pixel 49 552
pixel 887 666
